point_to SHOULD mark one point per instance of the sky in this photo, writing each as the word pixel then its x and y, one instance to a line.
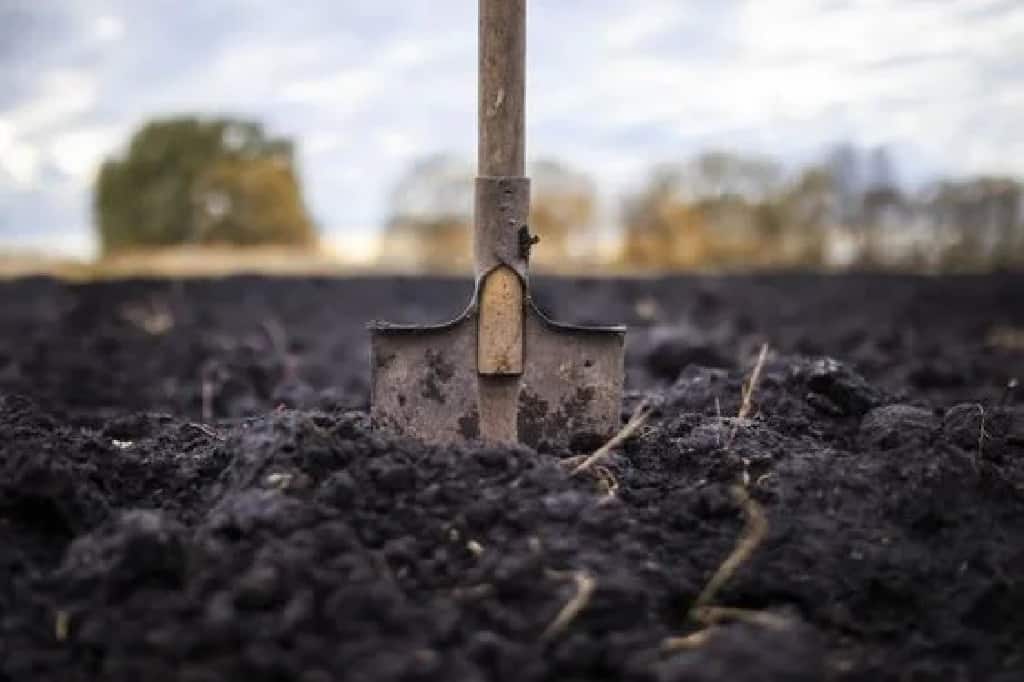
pixel 367 88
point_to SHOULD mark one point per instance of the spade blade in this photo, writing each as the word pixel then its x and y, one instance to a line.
pixel 425 382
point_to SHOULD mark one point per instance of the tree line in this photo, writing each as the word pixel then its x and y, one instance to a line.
pixel 191 180
pixel 727 210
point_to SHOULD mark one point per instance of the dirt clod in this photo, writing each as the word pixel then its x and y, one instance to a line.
pixel 889 427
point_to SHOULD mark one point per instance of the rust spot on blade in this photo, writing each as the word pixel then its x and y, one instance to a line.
pixel 533 414
pixel 469 426
pixel 431 389
pixel 440 366
pixel 439 372
pixel 578 405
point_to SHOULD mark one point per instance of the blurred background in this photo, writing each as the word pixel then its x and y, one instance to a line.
pixel 664 135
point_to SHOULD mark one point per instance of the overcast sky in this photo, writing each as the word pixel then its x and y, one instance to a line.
pixel 614 87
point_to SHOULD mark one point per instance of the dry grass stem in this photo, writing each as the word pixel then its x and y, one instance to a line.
pixel 585 585
pixel 687 642
pixel 713 615
pixel 473 592
pixel 62 626
pixel 639 418
pixel 710 616
pixel 749 389
pixel 753 535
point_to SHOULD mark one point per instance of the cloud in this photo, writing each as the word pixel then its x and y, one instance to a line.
pixel 18 161
pixel 614 87
pixel 107 28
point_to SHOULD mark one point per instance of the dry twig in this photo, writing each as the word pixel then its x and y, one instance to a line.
pixel 753 535
pixel 712 616
pixel 749 388
pixel 694 640
pixel 585 585
pixel 639 418
pixel 62 626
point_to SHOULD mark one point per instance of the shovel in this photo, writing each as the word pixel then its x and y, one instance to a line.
pixel 501 372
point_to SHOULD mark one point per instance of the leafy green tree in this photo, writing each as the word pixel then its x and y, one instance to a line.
pixel 190 180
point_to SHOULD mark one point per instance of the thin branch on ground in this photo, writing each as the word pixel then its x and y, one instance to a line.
pixel 753 534
pixel 710 616
pixel 749 389
pixel 713 615
pixel 62 625
pixel 639 418
pixel 585 586
pixel 694 640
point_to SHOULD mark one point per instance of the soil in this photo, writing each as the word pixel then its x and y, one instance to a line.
pixel 189 489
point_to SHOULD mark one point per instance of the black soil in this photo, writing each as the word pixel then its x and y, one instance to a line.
pixel 189 489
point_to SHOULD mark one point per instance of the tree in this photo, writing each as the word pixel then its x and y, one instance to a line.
pixel 724 175
pixel 662 229
pixel 189 180
pixel 431 224
pixel 809 207
pixel 983 218
pixel 563 205
pixel 723 209
pixel 844 167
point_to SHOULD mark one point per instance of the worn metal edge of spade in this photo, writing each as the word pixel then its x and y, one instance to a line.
pixel 425 384
pixel 382 326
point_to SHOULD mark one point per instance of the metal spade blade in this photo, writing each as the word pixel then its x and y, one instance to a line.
pixel 426 385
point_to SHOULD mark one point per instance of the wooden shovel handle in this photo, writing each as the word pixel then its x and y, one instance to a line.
pixel 501 151
pixel 502 91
